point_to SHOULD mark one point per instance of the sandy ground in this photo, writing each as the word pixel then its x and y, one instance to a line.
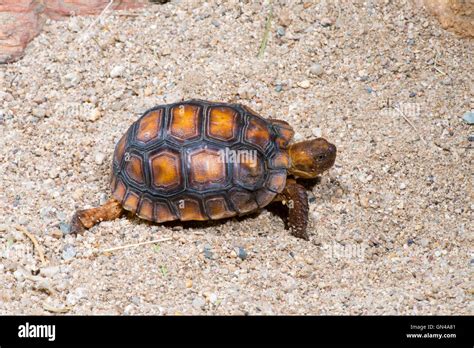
pixel 391 223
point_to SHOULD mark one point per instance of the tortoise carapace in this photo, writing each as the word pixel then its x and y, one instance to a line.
pixel 198 160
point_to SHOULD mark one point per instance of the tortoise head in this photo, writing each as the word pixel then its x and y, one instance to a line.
pixel 311 158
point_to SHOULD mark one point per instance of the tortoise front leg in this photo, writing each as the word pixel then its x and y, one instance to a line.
pixel 295 197
pixel 85 219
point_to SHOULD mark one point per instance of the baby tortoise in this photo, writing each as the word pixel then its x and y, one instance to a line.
pixel 199 160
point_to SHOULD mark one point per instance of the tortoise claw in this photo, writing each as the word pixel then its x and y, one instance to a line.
pixel 84 219
pixel 299 233
pixel 76 225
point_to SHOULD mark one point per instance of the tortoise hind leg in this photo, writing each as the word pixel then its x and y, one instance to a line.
pixel 85 219
pixel 295 197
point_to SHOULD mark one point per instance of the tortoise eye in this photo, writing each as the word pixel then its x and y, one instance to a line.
pixel 321 157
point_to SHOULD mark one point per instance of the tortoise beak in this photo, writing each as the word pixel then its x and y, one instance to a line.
pixel 332 151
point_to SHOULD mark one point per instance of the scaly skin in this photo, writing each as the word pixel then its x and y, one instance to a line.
pixel 87 218
pixel 296 199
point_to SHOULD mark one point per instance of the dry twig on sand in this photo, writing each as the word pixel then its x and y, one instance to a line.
pixel 135 245
pixel 49 308
pixel 410 123
pixel 268 25
pixel 34 241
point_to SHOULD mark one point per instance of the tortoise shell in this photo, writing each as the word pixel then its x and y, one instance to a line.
pixel 198 160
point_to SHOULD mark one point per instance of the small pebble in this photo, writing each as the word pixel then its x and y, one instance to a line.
pixel 117 71
pixel 50 271
pixel 326 22
pixel 103 198
pixel 298 136
pixel 189 283
pixel 71 299
pixel 317 132
pixel 304 84
pixel 18 274
pixel 64 227
pixel 148 91
pixel 74 26
pixel 278 88
pixel 437 253
pixel 403 186
pixel 470 138
pixel 281 31
pixel 447 81
pixel 53 173
pixel 99 158
pixel 69 252
pixel 316 69
pixel 213 298
pixel 39 112
pixel 77 194
pixel 363 75
pixel 424 242
pixel 71 80
pixel 246 92
pixel 419 297
pixel 430 179
pixel 468 117
pixel 199 302
pixel 94 115
pixel 61 215
pixel 56 234
pixel 208 252
pixel 241 253
pixel 22 220
pixel 412 94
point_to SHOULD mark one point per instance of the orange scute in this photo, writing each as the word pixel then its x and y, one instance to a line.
pixel 131 202
pixel 257 133
pixel 119 190
pixel 281 160
pixel 207 167
pixel 146 210
pixel 165 167
pixel 222 123
pixel 149 126
pixel 243 201
pixel 163 212
pixel 276 182
pixel 217 208
pixel 264 197
pixel 134 169
pixel 184 122
pixel 189 209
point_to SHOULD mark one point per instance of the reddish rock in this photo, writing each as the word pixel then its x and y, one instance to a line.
pixel 18 27
pixel 18 5
pixel 454 15
pixel 58 9
pixel 21 20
